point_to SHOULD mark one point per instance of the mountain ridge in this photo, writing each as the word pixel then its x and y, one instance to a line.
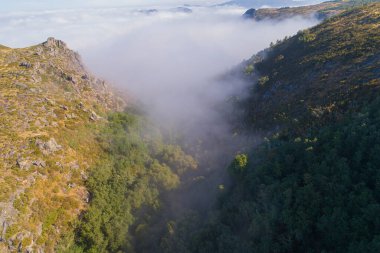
pixel 323 65
pixel 47 97
pixel 320 11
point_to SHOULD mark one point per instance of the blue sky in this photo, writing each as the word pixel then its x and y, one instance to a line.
pixel 25 5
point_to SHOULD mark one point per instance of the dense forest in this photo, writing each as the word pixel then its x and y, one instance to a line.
pixel 311 186
pixel 313 193
pixel 127 185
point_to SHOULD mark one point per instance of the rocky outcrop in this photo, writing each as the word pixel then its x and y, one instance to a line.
pixel 52 42
pixel 24 164
pixel 48 147
pixel 25 64
pixel 50 106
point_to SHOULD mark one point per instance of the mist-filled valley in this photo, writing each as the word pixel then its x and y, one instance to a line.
pixel 180 71
pixel 203 127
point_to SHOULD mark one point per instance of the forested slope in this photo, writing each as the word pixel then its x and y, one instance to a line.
pixel 313 185
pixel 319 74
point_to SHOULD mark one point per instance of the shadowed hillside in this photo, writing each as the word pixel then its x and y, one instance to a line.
pixel 313 185
pixel 318 75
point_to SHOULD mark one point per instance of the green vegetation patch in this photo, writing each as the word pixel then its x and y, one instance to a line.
pixel 127 185
pixel 314 193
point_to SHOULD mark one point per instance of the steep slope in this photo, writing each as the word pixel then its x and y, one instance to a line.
pixel 313 185
pixel 49 107
pixel 320 73
pixel 79 171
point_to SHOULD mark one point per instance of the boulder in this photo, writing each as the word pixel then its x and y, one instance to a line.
pixel 24 164
pixel 48 147
pixel 94 116
pixel 25 64
pixel 39 163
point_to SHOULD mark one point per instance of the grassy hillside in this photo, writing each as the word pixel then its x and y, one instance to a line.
pixel 3 47
pixel 319 74
pixel 50 107
pixel 321 11
pixel 313 185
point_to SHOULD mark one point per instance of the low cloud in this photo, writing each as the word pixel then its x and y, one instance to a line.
pixel 170 61
pixel 167 59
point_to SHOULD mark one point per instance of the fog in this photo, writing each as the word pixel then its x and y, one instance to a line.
pixel 169 61
pixel 172 63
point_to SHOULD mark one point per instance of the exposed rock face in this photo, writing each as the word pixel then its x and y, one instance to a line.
pixel 51 42
pixel 24 164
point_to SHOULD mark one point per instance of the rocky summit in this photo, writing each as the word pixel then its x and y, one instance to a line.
pixel 50 108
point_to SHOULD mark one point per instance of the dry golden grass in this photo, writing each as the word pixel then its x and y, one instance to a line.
pixel 45 93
